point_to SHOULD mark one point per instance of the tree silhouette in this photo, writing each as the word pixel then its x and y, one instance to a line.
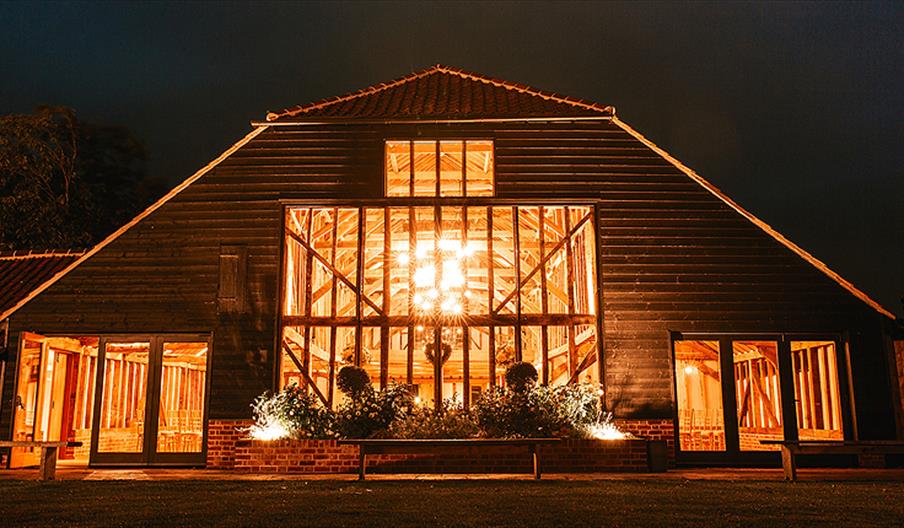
pixel 65 183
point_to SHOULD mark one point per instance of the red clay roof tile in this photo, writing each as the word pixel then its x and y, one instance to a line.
pixel 21 274
pixel 443 92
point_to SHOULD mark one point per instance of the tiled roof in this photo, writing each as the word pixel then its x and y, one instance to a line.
pixel 443 92
pixel 20 274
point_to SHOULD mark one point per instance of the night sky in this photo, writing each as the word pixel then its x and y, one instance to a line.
pixel 794 110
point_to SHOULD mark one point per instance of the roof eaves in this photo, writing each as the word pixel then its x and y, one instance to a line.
pixel 24 255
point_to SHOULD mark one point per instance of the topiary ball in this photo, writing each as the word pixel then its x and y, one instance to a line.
pixel 352 381
pixel 521 375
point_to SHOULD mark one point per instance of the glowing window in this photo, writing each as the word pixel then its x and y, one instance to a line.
pixel 486 285
pixel 444 168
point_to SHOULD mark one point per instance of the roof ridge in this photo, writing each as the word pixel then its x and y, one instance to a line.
pixel 17 255
pixel 439 68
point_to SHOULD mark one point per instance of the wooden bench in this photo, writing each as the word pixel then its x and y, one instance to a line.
pixel 792 448
pixel 49 452
pixel 396 446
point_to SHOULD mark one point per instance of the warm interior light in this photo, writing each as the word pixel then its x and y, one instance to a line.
pixel 424 276
pixel 449 291
pixel 448 245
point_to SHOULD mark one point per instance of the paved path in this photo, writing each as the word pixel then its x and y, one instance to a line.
pixel 735 474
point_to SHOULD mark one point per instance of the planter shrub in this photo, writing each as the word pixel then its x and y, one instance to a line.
pixel 293 412
pixel 452 420
pixel 370 413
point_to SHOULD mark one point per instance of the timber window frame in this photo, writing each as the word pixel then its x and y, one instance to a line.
pixel 793 397
pixel 377 319
pixel 458 157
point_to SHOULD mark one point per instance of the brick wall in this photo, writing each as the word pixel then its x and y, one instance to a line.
pixel 326 456
pixel 749 439
pixel 656 429
pixel 222 436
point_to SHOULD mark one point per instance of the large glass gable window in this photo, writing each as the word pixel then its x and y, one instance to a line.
pixel 444 298
pixel 444 168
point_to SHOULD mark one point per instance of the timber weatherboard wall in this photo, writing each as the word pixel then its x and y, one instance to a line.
pixel 674 257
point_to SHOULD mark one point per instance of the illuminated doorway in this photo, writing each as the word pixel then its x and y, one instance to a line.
pixel 54 396
pixel 129 400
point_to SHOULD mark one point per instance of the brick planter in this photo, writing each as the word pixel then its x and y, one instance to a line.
pixel 326 456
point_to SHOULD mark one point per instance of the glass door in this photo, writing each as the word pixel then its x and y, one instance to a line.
pixel 817 390
pixel 181 401
pixel 121 404
pixel 152 399
pixel 757 394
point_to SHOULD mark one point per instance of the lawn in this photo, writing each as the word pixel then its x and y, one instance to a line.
pixel 451 503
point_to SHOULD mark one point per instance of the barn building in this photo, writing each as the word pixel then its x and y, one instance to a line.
pixel 433 230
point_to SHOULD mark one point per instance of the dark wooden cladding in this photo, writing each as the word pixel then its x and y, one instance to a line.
pixel 674 257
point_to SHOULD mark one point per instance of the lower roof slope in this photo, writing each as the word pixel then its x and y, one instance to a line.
pixel 20 274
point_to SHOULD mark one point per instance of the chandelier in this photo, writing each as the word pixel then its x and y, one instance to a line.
pixel 440 288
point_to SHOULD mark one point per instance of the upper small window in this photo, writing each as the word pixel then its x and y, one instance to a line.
pixel 438 169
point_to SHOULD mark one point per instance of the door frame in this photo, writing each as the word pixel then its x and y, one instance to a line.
pixel 182 459
pixel 148 456
pixel 20 343
pixel 732 454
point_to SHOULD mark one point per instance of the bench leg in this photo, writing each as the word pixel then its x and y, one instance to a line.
pixel 535 451
pixel 789 464
pixel 362 462
pixel 48 463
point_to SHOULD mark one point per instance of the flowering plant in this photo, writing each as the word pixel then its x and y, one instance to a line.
pixel 451 420
pixel 291 412
pixel 372 412
pixel 537 411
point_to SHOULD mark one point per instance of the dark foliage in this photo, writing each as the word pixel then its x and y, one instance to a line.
pixel 65 183
pixel 521 376
pixel 353 381
pixel 537 411
pixel 451 420
pixel 373 412
pixel 295 410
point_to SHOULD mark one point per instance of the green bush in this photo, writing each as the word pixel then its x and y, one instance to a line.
pixel 578 407
pixel 292 412
pixel 373 412
pixel 452 420
pixel 537 411
pixel 533 411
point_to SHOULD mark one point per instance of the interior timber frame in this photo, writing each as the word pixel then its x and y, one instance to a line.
pixel 492 282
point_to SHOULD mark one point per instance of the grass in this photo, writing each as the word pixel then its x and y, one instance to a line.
pixel 451 503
